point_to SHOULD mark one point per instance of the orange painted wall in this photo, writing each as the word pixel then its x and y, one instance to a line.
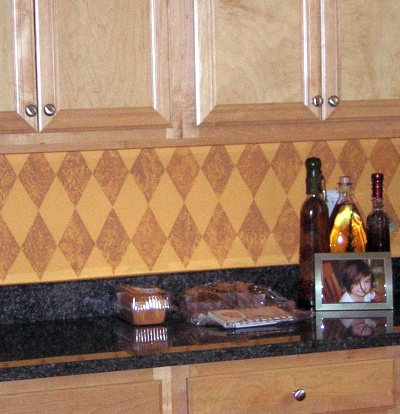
pixel 80 215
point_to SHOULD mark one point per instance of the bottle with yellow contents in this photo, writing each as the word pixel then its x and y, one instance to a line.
pixel 347 233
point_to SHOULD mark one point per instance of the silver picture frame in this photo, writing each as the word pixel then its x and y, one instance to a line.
pixel 332 280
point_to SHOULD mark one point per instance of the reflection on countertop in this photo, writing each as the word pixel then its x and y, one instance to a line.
pixel 109 343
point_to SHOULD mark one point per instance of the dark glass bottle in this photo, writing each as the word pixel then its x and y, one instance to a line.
pixel 378 235
pixel 314 232
pixel 347 234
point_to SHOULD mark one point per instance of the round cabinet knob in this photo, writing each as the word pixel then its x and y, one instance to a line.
pixel 333 101
pixel 318 101
pixel 299 395
pixel 31 110
pixel 49 109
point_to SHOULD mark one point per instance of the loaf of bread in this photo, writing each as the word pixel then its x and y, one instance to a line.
pixel 142 306
pixel 199 300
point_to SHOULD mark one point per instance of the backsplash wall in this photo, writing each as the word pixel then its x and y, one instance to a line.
pixel 81 215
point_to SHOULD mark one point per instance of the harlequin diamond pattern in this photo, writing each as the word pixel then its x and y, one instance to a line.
pixel 111 173
pixel 7 179
pixel 74 175
pixel 183 169
pixel 76 243
pixel 217 168
pixel 39 246
pixel 36 176
pixel 287 164
pixel 143 225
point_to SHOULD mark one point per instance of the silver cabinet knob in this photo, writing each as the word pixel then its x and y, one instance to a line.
pixel 299 395
pixel 49 109
pixel 31 110
pixel 333 101
pixel 318 101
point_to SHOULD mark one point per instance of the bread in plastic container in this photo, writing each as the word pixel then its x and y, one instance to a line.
pixel 142 305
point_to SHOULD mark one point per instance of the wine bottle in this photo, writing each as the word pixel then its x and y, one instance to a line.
pixel 347 234
pixel 314 232
pixel 378 236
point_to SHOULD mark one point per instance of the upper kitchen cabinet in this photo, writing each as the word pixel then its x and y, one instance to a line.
pixel 362 62
pixel 84 65
pixel 297 69
pixel 250 62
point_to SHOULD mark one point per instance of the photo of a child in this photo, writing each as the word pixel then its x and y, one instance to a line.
pixel 358 281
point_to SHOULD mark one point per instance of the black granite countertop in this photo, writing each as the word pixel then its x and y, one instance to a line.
pixel 102 342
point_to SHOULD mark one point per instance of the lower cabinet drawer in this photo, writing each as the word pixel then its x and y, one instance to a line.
pixel 360 385
pixel 140 397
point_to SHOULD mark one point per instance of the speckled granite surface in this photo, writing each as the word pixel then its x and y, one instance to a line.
pixel 71 328
pixel 86 299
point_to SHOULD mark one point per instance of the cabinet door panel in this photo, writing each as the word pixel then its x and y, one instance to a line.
pixel 143 397
pixel 103 64
pixel 17 66
pixel 368 36
pixel 256 60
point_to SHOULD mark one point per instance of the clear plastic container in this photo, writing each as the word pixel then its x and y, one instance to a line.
pixel 142 305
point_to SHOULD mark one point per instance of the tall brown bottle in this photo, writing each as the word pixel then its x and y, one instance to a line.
pixel 314 232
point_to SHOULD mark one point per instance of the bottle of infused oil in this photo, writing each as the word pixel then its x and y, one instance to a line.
pixel 314 232
pixel 378 233
pixel 347 233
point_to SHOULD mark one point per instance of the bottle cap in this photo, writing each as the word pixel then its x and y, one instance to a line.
pixel 345 180
pixel 313 166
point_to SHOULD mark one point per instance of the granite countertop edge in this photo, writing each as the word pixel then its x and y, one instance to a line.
pixel 43 369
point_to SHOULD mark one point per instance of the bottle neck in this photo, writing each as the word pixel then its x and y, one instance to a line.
pixel 314 186
pixel 377 203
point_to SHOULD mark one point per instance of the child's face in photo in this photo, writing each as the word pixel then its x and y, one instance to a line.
pixel 363 287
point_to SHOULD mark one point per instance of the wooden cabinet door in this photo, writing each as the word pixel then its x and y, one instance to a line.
pixel 257 61
pixel 102 64
pixel 17 67
pixel 363 42
pixel 104 393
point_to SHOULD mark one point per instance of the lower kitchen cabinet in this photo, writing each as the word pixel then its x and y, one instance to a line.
pixel 353 381
pixel 357 381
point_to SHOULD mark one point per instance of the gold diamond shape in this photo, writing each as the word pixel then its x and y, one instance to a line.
pixel 220 234
pixel 7 179
pixel 184 236
pixel 36 176
pixel 252 166
pixel 113 240
pixel 385 159
pixel 352 160
pixel 254 232
pixel 183 169
pixel 74 175
pixel 217 168
pixel 9 249
pixel 39 246
pixel 286 230
pixel 286 165
pixel 111 174
pixel 76 243
pixel 149 239
pixel 147 171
